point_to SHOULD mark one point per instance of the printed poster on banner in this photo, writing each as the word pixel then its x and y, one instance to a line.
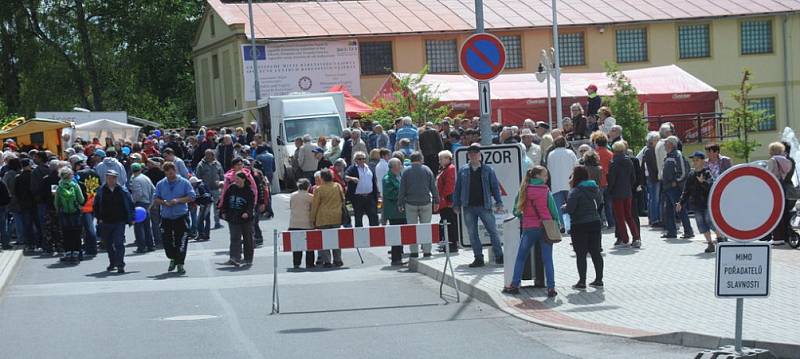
pixel 302 66
pixel 506 161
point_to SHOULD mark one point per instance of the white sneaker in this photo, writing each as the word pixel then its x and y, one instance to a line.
pixel 636 244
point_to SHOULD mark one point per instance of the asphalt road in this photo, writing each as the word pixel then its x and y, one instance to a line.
pixel 365 310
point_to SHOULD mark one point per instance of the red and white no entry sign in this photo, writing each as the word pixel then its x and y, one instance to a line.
pixel 746 203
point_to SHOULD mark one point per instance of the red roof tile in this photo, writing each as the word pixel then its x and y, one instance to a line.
pixel 377 17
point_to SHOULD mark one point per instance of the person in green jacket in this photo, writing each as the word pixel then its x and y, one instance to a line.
pixel 68 200
pixel 391 211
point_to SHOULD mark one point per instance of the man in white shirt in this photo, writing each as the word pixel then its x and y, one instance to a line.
pixel 307 160
pixel 382 168
pixel 560 163
pixel 532 150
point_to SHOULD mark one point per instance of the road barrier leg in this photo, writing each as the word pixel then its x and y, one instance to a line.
pixel 276 302
pixel 448 263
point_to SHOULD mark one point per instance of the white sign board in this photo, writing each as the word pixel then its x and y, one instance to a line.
pixel 743 270
pixel 302 66
pixel 84 117
pixel 485 97
pixel 506 161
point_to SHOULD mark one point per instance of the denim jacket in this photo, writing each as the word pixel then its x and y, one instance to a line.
pixel 491 187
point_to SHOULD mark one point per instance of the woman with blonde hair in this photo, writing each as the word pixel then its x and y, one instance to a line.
pixel 534 204
pixel 605 121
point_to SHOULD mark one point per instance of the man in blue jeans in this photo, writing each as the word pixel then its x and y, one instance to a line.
pixel 113 207
pixel 476 185
pixel 672 181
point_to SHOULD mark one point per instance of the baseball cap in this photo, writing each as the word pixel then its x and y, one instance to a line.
pixel 194 180
pixel 74 159
pixel 542 124
pixel 318 150
pixel 26 162
pixel 100 153
pixel 698 154
pixel 112 173
pixel 474 148
pixel 591 87
pixel 136 167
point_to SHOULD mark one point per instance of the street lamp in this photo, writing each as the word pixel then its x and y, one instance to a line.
pixel 543 73
pixel 80 109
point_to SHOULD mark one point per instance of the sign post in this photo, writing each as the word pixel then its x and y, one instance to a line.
pixel 743 267
pixel 483 58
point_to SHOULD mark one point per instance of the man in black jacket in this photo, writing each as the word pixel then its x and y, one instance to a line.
pixel 430 144
pixel 22 190
pixel 41 195
pixel 113 208
pixel 225 153
pixel 653 187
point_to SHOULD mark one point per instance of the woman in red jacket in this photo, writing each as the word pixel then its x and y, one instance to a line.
pixel 446 185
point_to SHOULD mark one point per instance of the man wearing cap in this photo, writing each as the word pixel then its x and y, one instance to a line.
pixel 173 193
pixel 113 207
pixel 322 162
pixel 142 191
pixel 594 101
pixel 476 185
pixel 109 162
pixel 532 150
pixel 695 195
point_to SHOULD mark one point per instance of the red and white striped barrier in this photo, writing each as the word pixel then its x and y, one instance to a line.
pixel 360 237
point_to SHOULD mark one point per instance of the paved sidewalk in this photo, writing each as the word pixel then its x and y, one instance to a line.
pixel 662 292
pixel 8 263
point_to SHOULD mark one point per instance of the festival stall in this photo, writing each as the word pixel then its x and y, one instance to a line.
pixel 663 90
pixel 106 128
pixel 35 133
pixel 354 107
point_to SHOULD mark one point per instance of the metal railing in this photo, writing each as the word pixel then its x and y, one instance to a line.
pixel 695 127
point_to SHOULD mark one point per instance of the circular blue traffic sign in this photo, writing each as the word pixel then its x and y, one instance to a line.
pixel 483 56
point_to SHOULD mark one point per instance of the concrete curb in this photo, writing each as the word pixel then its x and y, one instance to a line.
pixel 9 259
pixel 686 339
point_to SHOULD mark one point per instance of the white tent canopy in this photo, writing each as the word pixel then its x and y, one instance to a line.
pixel 107 128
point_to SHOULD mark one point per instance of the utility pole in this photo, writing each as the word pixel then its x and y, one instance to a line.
pixel 253 52
pixel 483 86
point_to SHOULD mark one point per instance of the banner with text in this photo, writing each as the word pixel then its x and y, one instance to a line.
pixel 304 66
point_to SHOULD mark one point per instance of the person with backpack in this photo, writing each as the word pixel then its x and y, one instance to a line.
pixel 673 178
pixel 68 201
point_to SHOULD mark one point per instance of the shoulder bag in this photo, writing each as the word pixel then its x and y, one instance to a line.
pixel 552 232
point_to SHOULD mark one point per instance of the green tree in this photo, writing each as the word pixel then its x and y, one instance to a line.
pixel 625 107
pixel 741 120
pixel 411 97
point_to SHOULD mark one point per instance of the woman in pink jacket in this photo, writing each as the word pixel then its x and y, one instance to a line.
pixel 534 204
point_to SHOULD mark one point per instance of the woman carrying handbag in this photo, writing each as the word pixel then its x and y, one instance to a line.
pixel 537 208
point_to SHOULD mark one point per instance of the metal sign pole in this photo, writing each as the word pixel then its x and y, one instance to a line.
pixel 253 52
pixel 276 302
pixel 557 63
pixel 739 318
pixel 483 86
pixel 448 263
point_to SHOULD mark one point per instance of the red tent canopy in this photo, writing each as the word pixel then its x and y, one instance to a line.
pixel 353 106
pixel 664 90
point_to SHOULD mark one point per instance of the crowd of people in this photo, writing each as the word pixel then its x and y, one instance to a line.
pixel 170 185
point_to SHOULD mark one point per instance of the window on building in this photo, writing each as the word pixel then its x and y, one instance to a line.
pixel 211 25
pixel 756 37
pixel 513 45
pixel 442 55
pixel 631 45
pixel 215 66
pixel 376 57
pixel 694 41
pixel 37 138
pixel 766 104
pixel 571 50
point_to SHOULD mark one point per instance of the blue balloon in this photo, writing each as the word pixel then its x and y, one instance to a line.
pixel 126 150
pixel 140 215
pixel 158 133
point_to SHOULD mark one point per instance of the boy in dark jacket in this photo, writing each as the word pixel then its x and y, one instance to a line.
pixel 238 206
pixel 695 194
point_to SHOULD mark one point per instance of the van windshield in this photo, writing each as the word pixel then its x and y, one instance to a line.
pixel 315 126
